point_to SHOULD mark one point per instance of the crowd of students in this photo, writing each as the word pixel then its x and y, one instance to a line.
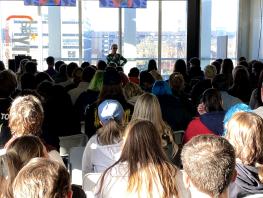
pixel 131 122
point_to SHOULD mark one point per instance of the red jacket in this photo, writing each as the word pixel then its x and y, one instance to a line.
pixel 194 128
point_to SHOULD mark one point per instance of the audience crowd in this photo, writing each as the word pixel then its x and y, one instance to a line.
pixel 197 134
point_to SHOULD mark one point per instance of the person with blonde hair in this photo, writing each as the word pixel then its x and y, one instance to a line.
pixel 26 116
pixel 132 91
pixel 147 107
pixel 143 169
pixel 244 132
pixel 42 178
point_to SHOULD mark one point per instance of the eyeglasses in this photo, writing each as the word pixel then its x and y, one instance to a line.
pixel 114 48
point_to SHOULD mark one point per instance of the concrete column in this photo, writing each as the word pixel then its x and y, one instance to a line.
pixel 206 17
pixel 54 32
pixel 129 38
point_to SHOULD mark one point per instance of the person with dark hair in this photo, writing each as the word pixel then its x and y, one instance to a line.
pixel 211 116
pixel 134 75
pixel 180 66
pixel 202 85
pixel 115 57
pixel 146 81
pixel 241 87
pixel 43 76
pixel 195 71
pixel 62 74
pixel 85 64
pixel 101 65
pixel 209 166
pixel 70 68
pixel 31 67
pixel 51 63
pixel 111 89
pixel 28 81
pixel 217 65
pixel 2 66
pixel 152 65
pixel 257 68
pixel 58 64
pixel 242 58
pixel 220 84
pixel 173 112
pixel 87 75
pixel 8 85
pixel 227 67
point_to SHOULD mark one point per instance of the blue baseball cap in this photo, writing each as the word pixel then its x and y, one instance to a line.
pixel 110 109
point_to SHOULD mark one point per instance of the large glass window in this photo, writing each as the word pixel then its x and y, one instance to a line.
pixel 219 19
pixel 140 35
pixel 174 33
pixel 100 30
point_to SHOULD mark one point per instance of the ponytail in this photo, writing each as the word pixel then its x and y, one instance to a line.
pixel 110 133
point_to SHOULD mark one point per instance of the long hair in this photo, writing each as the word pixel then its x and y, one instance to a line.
pixel 148 166
pixel 212 100
pixel 10 164
pixel 111 133
pixel 147 107
pixel 244 132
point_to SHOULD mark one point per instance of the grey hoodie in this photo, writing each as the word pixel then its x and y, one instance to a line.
pixel 97 158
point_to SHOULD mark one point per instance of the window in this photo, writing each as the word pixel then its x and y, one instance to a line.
pixel 219 19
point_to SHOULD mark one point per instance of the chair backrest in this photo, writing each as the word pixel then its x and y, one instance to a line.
pixel 89 181
pixel 178 136
pixel 75 164
pixel 254 196
pixel 67 142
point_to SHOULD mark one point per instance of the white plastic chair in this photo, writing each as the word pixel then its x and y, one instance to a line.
pixel 67 142
pixel 75 164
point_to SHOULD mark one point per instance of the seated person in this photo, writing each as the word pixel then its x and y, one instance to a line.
pixel 211 116
pixel 244 132
pixel 104 148
pixel 42 178
pixel 143 169
pixel 209 166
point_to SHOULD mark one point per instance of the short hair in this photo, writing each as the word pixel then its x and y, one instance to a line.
pixel 71 67
pixel 88 74
pixel 195 61
pixel 209 161
pixel 42 178
pixel 134 72
pixel 26 115
pixel 101 65
pixel 31 67
pixel 50 60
